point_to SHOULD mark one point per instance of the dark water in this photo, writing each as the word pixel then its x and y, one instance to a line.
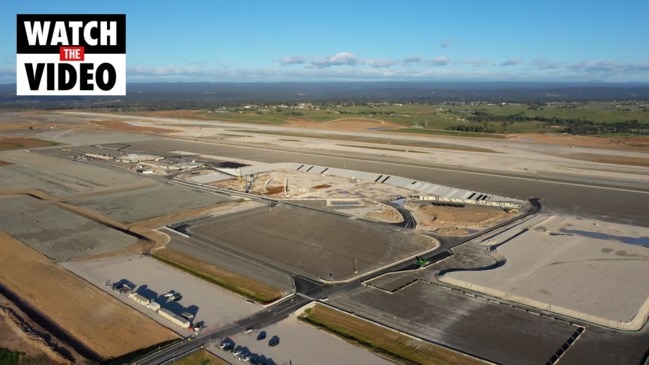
pixel 640 241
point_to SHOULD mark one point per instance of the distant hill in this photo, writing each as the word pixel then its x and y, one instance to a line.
pixel 200 95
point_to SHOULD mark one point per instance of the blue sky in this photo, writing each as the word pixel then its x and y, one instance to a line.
pixel 358 40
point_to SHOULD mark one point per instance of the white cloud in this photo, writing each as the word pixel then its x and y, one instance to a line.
pixel 348 66
pixel 380 62
pixel 292 60
pixel 339 59
pixel 604 67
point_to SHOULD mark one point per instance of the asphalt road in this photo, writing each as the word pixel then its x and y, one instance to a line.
pixel 307 290
pixel 604 199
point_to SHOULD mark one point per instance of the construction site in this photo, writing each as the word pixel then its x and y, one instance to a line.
pixel 240 233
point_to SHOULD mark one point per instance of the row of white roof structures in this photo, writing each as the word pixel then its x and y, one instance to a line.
pixel 426 190
pixel 163 312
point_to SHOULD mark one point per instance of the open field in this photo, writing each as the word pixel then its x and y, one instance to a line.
pixel 146 203
pixel 60 177
pixel 428 118
pixel 289 236
pixel 8 143
pixel 618 160
pixel 16 336
pixel 102 324
pixel 374 139
pixel 587 269
pixel 56 232
pixel 457 220
pixel 383 340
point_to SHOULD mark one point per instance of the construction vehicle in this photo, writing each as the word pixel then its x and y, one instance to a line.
pixel 421 262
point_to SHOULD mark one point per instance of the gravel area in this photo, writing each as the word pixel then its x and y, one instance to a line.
pixel 140 204
pixel 57 233
pixel 312 242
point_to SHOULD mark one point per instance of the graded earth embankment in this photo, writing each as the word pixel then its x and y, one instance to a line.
pixel 103 324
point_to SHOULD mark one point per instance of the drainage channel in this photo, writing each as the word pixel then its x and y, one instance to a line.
pixel 562 350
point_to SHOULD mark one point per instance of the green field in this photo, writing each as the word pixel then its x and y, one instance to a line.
pixel 458 118
pixel 200 357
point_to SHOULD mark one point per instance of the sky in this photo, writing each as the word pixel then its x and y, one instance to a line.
pixel 363 40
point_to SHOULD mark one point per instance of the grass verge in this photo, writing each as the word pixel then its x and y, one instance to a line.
pixel 239 284
pixel 8 357
pixel 383 341
pixel 200 357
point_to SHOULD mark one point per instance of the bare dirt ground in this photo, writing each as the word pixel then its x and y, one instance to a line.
pixel 150 203
pixel 456 220
pixel 19 333
pixel 346 124
pixel 619 160
pixel 640 143
pixel 103 324
pixel 310 186
pixel 122 126
pixel 7 143
pixel 626 143
pixel 58 233
pixel 385 214
pixel 289 236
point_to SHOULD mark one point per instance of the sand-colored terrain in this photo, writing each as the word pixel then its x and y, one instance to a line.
pixel 456 220
pixel 122 126
pixel 346 124
pixel 103 324
pixel 640 143
pixel 385 214
pixel 19 333
pixel 587 269
pixel 7 143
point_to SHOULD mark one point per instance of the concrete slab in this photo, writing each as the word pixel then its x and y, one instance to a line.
pixel 582 268
pixel 301 343
pixel 57 233
pixel 208 303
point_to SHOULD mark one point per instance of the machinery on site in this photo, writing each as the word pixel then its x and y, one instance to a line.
pixel 421 262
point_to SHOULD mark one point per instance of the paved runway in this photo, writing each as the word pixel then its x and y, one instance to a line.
pixel 607 200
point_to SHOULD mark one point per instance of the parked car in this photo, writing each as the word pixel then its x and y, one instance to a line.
pixel 261 335
pixel 273 341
